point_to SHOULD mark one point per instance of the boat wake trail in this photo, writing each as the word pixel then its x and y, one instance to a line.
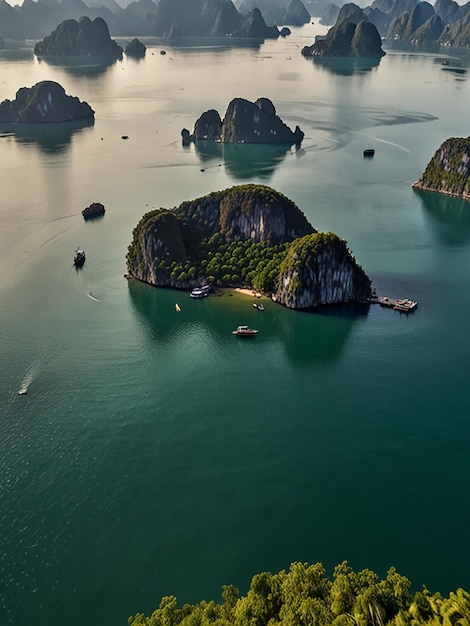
pixel 92 297
pixel 390 143
pixel 28 379
pixel 35 368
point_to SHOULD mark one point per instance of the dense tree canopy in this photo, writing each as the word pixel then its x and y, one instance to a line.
pixel 306 596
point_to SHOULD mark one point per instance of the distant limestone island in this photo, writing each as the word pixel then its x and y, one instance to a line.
pixel 209 18
pixel 45 102
pixel 447 23
pixel 448 171
pixel 244 122
pixel 82 38
pixel 135 48
pixel 156 18
pixel 348 39
pixel 246 236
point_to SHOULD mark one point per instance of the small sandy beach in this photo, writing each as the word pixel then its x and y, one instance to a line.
pixel 249 292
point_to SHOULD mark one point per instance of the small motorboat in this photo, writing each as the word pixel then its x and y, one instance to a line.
pixel 177 307
pixel 369 153
pixel 260 307
pixel 79 258
pixel 23 391
pixel 245 331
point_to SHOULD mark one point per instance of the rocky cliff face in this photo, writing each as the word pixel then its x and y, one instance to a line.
pixel 420 24
pixel 318 270
pixel 305 268
pixel 449 170
pixel 246 122
pixel 157 237
pixel 347 39
pixel 79 38
pixel 45 102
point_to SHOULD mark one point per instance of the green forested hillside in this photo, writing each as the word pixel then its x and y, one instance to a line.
pixel 306 596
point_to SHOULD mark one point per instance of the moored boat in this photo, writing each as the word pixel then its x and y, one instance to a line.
pixel 245 331
pixel 260 307
pixel 369 152
pixel 405 305
pixel 79 258
pixel 200 292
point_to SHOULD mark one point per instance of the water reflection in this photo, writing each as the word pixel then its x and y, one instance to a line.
pixel 449 216
pixel 216 44
pixel 308 338
pixel 346 66
pixel 320 336
pixel 79 67
pixel 50 138
pixel 244 161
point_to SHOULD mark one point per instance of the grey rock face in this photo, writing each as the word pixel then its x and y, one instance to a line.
pixel 320 270
pixel 448 171
pixel 208 126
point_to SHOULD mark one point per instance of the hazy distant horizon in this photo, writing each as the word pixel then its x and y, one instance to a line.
pixel 124 3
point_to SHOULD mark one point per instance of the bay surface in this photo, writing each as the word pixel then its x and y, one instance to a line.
pixel 155 453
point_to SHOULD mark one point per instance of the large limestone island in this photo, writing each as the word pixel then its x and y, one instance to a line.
pixel 45 102
pixel 348 39
pixel 449 169
pixel 244 122
pixel 246 236
pixel 82 38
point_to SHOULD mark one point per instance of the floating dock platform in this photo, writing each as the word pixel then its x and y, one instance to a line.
pixel 404 304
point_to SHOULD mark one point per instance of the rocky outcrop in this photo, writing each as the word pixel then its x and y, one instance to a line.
pixel 135 48
pixel 95 209
pixel 415 25
pixel 208 126
pixel 457 34
pixel 79 38
pixel 319 269
pixel 347 39
pixel 277 12
pixel 208 18
pixel 448 10
pixel 246 122
pixel 449 170
pixel 350 12
pixel 254 27
pixel 173 248
pixel 43 103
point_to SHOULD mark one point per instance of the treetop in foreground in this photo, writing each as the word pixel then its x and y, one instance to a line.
pixel 306 596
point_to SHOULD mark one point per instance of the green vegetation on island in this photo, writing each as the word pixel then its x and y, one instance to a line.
pixel 449 169
pixel 306 596
pixel 245 236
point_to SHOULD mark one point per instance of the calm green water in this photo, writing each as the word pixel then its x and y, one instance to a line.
pixel 157 454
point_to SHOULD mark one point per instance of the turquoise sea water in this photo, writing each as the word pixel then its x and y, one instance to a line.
pixel 157 454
